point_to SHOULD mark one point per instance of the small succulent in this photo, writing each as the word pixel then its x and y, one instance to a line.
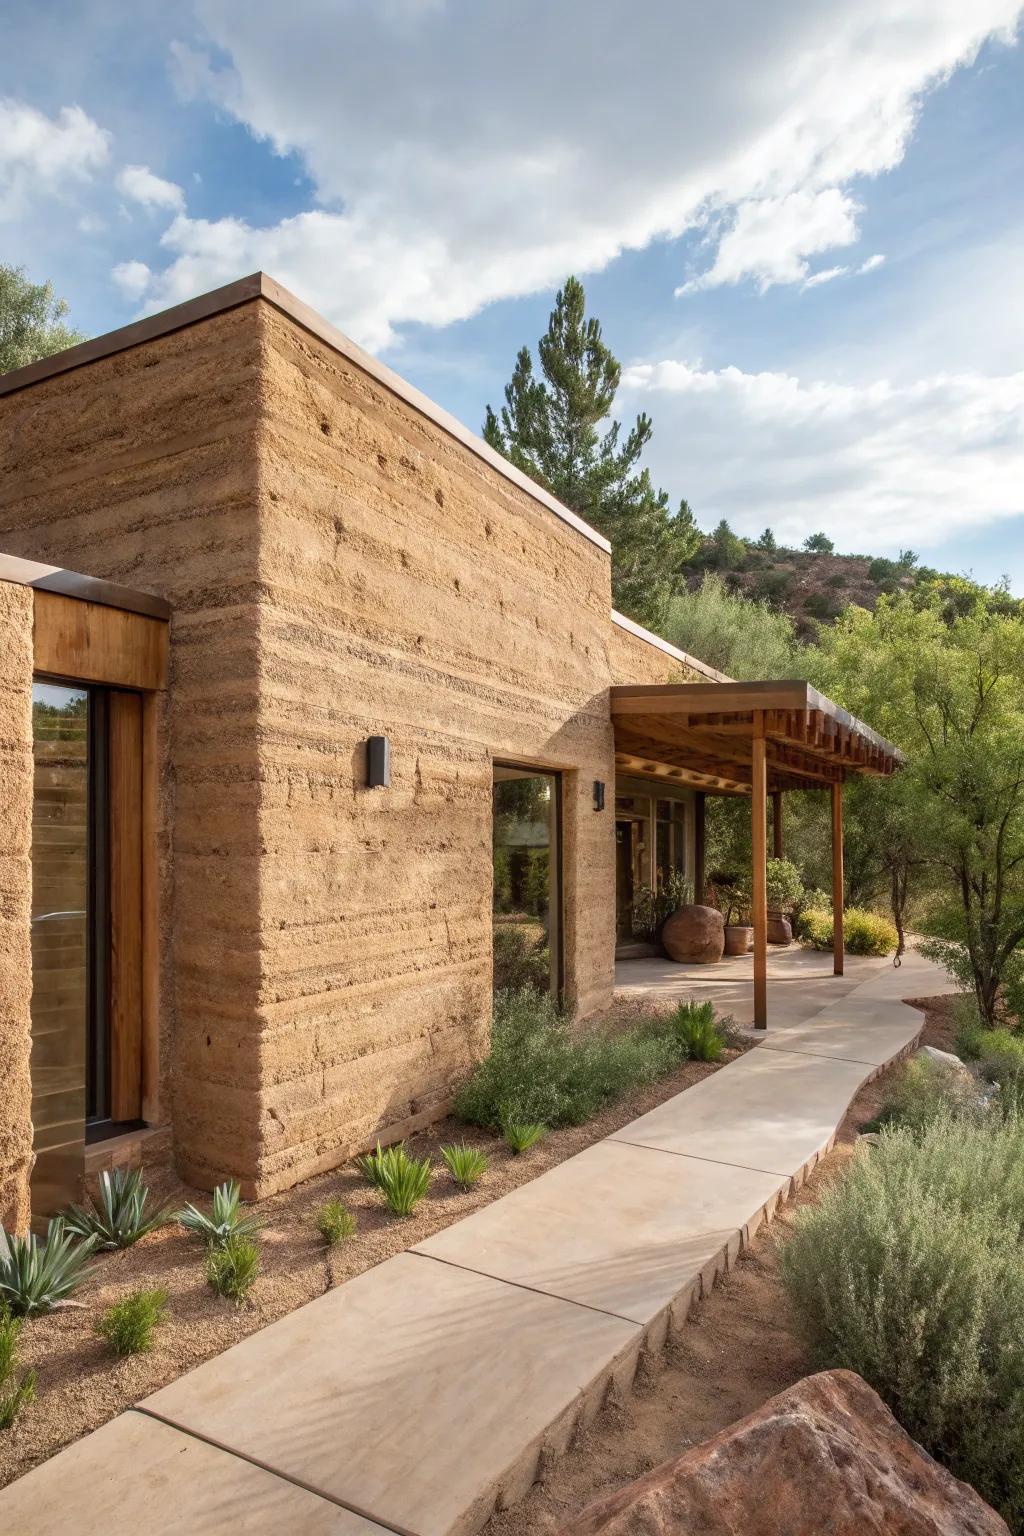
pixel 402 1180
pixel 375 1166
pixel 128 1325
pixel 36 1276
pixel 334 1222
pixel 118 1217
pixel 467 1165
pixel 226 1220
pixel 232 1266
pixel 522 1137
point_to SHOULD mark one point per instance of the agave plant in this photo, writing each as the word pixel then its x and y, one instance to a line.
pixel 377 1167
pixel 35 1277
pixel 467 1165
pixel 404 1181
pixel 118 1217
pixel 226 1219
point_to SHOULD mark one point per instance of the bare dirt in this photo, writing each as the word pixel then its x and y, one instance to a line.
pixel 741 1346
pixel 80 1387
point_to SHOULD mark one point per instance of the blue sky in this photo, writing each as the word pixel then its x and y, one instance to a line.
pixel 802 231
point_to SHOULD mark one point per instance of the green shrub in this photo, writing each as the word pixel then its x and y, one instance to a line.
pixel 697 1031
pixel 1001 1060
pixel 376 1166
pixel 226 1220
pixel 538 1073
pixel 335 1222
pixel 467 1165
pixel 864 933
pixel 232 1265
pixel 118 1216
pixel 404 1180
pixel 521 958
pixel 37 1276
pixel 783 884
pixel 522 1137
pixel 910 1271
pixel 128 1326
pixel 923 1090
pixel 970 1028
pixel 14 1396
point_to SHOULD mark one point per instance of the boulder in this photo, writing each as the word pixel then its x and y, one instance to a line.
pixel 695 935
pixel 825 1456
pixel 944 1059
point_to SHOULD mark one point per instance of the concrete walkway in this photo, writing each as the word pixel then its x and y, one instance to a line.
pixel 424 1393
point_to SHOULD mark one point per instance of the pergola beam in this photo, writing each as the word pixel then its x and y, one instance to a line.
pixel 838 941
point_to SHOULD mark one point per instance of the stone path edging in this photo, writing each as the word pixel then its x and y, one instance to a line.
pixel 424 1393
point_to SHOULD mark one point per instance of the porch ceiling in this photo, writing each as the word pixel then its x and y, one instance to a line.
pixel 702 734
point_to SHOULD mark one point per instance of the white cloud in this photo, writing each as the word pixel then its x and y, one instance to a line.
pixel 143 186
pixel 877 466
pixel 826 275
pixel 44 155
pixel 871 265
pixel 770 239
pixel 457 161
pixel 132 277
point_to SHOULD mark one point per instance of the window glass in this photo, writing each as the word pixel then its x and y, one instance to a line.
pixel 526 879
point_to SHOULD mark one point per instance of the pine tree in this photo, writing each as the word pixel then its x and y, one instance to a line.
pixel 558 430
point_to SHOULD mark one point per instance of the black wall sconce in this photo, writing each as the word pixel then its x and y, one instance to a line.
pixel 598 794
pixel 378 762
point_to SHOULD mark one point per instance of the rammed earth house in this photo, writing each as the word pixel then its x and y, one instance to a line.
pixel 336 692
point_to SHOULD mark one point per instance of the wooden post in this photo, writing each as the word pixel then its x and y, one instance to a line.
pixel 837 879
pixel 777 824
pixel 759 838
pixel 699 871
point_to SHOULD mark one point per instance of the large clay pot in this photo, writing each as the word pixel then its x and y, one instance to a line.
pixel 738 939
pixel 780 930
pixel 694 935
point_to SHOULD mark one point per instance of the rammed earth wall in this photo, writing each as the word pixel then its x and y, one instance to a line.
pixel 339 565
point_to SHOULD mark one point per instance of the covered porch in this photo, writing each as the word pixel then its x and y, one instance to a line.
pixel 756 740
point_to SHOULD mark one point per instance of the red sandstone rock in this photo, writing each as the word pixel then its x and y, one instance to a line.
pixel 825 1458
pixel 694 934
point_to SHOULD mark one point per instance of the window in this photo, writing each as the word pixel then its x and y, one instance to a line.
pixel 526 815
pixel 86 926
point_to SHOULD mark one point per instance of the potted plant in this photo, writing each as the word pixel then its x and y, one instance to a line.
pixel 739 935
pixel 784 888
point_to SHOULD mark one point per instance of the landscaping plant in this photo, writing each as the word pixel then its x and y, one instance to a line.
pixel 538 1073
pixel 377 1166
pixel 970 1028
pixel 467 1165
pixel 227 1219
pixel 864 933
pixel 118 1216
pixel 335 1222
pixel 128 1326
pixel 232 1265
pixel 698 1032
pixel 910 1271
pixel 404 1180
pixel 522 1137
pixel 14 1395
pixel 38 1276
pixel 923 1090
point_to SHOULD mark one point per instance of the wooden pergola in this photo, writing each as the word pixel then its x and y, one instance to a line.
pixel 755 739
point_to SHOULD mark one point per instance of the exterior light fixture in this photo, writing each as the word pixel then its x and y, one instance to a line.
pixel 598 794
pixel 378 762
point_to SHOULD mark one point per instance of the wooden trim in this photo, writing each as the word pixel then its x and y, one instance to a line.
pixel 700 878
pixel 96 644
pixel 126 980
pixel 838 940
pixel 150 1047
pixel 759 839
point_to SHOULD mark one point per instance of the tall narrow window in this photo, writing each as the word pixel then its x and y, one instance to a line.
pixel 527 913
pixel 86 927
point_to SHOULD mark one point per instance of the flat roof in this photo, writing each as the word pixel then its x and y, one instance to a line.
pixel 702 734
pixel 90 589
pixel 259 286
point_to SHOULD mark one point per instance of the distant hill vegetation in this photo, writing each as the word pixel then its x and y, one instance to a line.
pixel 814 584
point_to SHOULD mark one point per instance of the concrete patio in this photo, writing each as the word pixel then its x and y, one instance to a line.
pixel 424 1393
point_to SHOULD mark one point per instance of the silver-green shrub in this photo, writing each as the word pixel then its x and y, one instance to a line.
pixel 910 1271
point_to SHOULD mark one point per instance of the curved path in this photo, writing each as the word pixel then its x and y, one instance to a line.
pixel 423 1393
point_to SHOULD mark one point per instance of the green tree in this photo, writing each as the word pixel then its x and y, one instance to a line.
pixel 557 428
pixel 767 542
pixel 744 639
pixel 724 549
pixel 819 544
pixel 31 320
pixel 951 693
